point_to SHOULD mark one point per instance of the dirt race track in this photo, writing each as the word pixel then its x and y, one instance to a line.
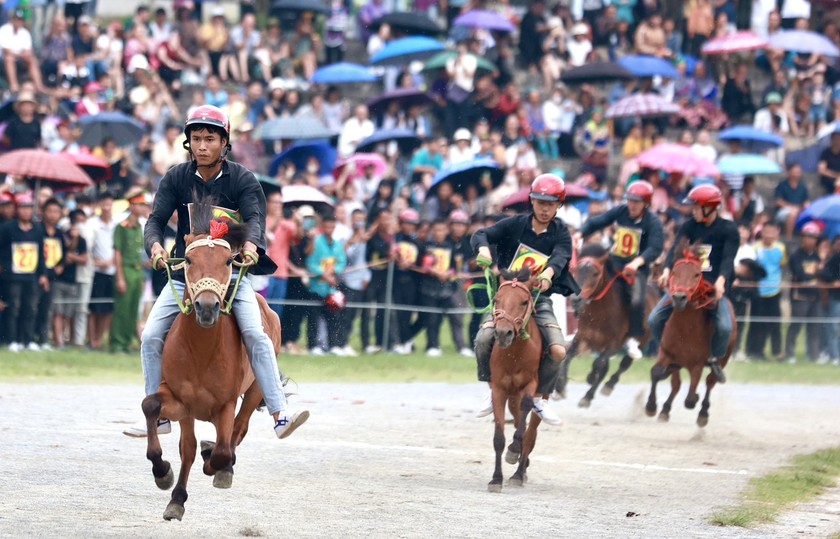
pixel 409 460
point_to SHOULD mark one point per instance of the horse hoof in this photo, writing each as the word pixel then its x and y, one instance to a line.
pixel 558 395
pixel 223 479
pixel 650 410
pixel 511 457
pixel 166 482
pixel 516 482
pixel 494 487
pixel 664 417
pixel 702 420
pixel 173 511
pixel 606 391
pixel 690 404
pixel 584 403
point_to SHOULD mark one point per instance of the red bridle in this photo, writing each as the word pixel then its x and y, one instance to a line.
pixel 587 292
pixel 701 293
pixel 520 321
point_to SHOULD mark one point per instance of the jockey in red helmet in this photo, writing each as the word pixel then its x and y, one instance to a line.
pixel 201 128
pixel 638 241
pixel 542 242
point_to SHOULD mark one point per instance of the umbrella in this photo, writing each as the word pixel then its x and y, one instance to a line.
pixel 406 50
pixel 122 129
pixel 648 66
pixel 520 200
pixel 98 169
pixel 41 165
pixel 469 172
pixel 406 138
pixel 297 195
pixel 675 158
pixel 362 161
pixel 488 20
pixel 642 105
pixel 343 73
pixel 803 41
pixel 439 62
pixel 409 23
pixel 293 128
pixel 407 98
pixel 747 164
pixel 596 72
pixel 825 209
pixel 737 42
pixel 752 139
pixel 300 152
pixel 315 6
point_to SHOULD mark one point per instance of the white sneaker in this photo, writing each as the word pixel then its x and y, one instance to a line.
pixel 466 352
pixel 287 424
pixel 317 351
pixel 823 360
pixel 139 430
pixel 486 407
pixel 835 362
pixel 434 352
pixel 402 349
pixel 15 347
pixel 47 348
pixel 349 352
pixel 33 347
pixel 545 412
pixel 632 347
pixel 336 351
pixel 791 360
pixel 372 349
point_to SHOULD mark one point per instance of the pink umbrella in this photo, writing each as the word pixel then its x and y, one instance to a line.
pixel 739 41
pixel 647 105
pixel 675 158
pixel 98 169
pixel 362 161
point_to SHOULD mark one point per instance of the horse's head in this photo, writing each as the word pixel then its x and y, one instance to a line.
pixel 590 272
pixel 512 304
pixel 685 279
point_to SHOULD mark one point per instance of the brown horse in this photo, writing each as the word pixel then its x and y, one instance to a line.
pixel 687 336
pixel 603 320
pixel 514 372
pixel 205 365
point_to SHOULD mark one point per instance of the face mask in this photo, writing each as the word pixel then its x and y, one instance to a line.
pixel 557 99
pixel 290 172
pixel 312 169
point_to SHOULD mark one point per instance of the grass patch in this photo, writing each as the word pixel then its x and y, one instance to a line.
pixel 803 479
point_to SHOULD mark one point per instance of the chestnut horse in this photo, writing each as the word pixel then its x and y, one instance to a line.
pixel 514 372
pixel 205 365
pixel 686 339
pixel 603 320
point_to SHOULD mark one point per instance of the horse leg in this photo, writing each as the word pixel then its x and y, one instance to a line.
pixel 665 414
pixel 528 444
pixel 599 371
pixel 625 364
pixel 250 401
pixel 515 448
pixel 655 377
pixel 563 377
pixel 499 401
pixel 161 469
pixel 518 477
pixel 187 446
pixel 220 463
pixel 703 417
pixel 692 397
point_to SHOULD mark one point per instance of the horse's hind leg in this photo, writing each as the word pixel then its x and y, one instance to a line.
pixel 563 377
pixel 599 371
pixel 703 416
pixel 161 469
pixel 665 414
pixel 175 509
pixel 518 477
pixel 517 404
pixel 625 364
pixel 250 401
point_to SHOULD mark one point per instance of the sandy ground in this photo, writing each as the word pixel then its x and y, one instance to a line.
pixel 410 460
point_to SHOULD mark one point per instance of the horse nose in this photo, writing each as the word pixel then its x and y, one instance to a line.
pixel 679 300
pixel 207 310
pixel 504 337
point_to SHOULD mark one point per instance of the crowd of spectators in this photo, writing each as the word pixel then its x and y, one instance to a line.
pixel 59 67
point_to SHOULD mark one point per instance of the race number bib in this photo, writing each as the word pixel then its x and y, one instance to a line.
pixel 626 242
pixel 168 244
pixel 219 213
pixel 407 252
pixel 528 257
pixel 327 264
pixel 442 259
pixel 24 257
pixel 704 251
pixel 810 267
pixel 53 252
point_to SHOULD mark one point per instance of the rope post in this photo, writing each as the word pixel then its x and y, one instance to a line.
pixel 389 287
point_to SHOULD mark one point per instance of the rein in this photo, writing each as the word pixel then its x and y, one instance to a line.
pixel 490 287
pixel 521 322
pixel 586 293
pixel 701 294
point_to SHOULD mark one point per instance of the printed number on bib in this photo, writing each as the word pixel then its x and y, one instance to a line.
pixel 407 252
pixel 626 242
pixel 24 257
pixel 442 259
pixel 704 251
pixel 53 252
pixel 528 257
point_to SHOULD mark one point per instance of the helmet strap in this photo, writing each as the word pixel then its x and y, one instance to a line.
pixel 707 212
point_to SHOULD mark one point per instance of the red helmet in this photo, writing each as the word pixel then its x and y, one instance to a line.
pixel 459 216
pixel 409 215
pixel 812 229
pixel 641 191
pixel 548 187
pixel 705 196
pixel 208 115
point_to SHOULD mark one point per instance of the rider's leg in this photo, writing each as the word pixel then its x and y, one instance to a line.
pixel 484 339
pixel 555 344
pixel 637 315
pixel 720 338
pixel 659 316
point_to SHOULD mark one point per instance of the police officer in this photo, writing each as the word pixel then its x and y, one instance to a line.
pixel 128 254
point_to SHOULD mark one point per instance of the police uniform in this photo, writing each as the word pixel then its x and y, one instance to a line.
pixel 128 240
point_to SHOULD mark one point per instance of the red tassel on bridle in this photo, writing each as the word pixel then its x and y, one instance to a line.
pixel 218 230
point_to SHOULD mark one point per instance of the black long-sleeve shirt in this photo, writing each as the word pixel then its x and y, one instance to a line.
pixel 633 237
pixel 831 274
pixel 720 241
pixel 21 252
pixel 236 189
pixel 516 240
pixel 803 269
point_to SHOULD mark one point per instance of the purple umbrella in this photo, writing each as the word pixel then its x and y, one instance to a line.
pixel 407 97
pixel 803 41
pixel 488 20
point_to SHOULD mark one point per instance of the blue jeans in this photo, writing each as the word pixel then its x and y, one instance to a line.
pixel 248 318
pixel 276 291
pixel 723 324
pixel 832 328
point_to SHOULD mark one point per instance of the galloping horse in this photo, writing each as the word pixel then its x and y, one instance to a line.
pixel 205 365
pixel 603 320
pixel 514 372
pixel 687 336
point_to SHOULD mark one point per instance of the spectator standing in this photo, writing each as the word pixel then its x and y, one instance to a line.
pixel 354 281
pixel 280 233
pixel 462 255
pixel 51 212
pixel 771 254
pixel 737 100
pixel 335 40
pixel 741 296
pixel 829 165
pixel 24 274
pixel 532 33
pixel 831 274
pixel 84 272
pixel 327 261
pixel 102 290
pixel 298 286
pixel 791 198
pixel 66 304
pixel 805 265
pixel 377 254
pixel 436 284
pixel 407 255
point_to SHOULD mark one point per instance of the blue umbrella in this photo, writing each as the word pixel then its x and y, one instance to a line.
pixel 469 172
pixel 754 140
pixel 293 128
pixel 825 209
pixel 406 138
pixel 488 20
pixel 803 41
pixel 122 129
pixel 299 152
pixel 747 164
pixel 406 50
pixel 648 66
pixel 343 73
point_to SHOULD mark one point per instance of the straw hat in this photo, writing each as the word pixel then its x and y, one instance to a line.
pixel 24 97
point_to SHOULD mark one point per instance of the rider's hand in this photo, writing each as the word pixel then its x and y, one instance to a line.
pixel 159 256
pixel 484 258
pixel 546 279
pixel 720 288
pixel 249 252
pixel 663 279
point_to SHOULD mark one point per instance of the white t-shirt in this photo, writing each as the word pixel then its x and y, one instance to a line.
pixel 761 10
pixel 17 42
pixel 706 151
pixel 103 243
pixel 463 75
pixel 796 9
pixel 578 51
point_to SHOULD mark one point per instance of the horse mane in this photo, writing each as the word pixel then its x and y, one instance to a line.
pixel 598 252
pixel 201 217
pixel 523 275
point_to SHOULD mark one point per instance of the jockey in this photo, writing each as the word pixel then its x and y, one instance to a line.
pixel 240 197
pixel 719 238
pixel 539 240
pixel 637 243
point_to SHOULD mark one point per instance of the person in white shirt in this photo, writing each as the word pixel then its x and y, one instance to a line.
pixel 773 119
pixel 16 43
pixel 169 151
pixel 160 28
pixel 793 10
pixel 579 46
pixel 461 149
pixel 354 130
pixel 703 146
pixel 760 14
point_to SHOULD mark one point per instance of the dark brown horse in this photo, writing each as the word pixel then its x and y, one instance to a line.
pixel 514 372
pixel 205 365
pixel 687 336
pixel 603 320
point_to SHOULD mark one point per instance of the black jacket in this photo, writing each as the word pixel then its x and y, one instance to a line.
pixel 236 189
pixel 555 242
pixel 649 228
pixel 723 240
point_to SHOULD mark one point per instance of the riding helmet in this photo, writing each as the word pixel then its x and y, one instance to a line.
pixel 641 191
pixel 208 115
pixel 705 196
pixel 548 187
